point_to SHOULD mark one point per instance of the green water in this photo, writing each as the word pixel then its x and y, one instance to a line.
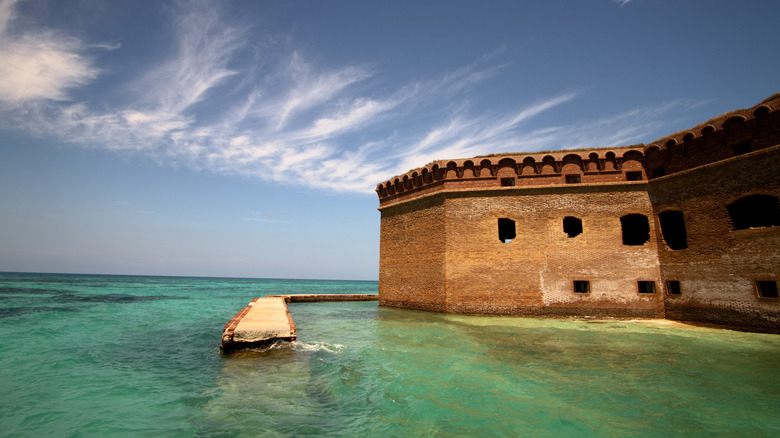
pixel 139 356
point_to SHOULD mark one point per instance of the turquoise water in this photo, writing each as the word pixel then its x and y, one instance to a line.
pixel 139 356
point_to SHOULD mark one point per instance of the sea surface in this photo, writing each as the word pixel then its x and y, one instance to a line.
pixel 131 356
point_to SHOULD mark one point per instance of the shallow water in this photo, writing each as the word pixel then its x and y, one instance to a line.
pixel 139 356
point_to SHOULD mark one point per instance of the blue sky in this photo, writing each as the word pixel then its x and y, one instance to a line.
pixel 246 138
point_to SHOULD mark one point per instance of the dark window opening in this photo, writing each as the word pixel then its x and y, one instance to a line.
pixel 673 287
pixel 741 148
pixel 754 211
pixel 507 182
pixel 646 287
pixel 634 176
pixel 673 229
pixel 572 226
pixel 658 172
pixel 581 287
pixel 767 289
pixel 636 229
pixel 506 230
pixel 573 179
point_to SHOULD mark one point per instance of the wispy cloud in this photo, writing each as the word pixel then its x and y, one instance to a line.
pixel 39 64
pixel 285 120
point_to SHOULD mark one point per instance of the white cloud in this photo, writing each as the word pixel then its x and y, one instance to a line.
pixel 39 64
pixel 289 122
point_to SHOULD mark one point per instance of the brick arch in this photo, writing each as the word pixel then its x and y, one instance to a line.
pixel 468 169
pixel 707 130
pixel 485 168
pixel 416 179
pixel 761 111
pixel 398 185
pixel 390 188
pixel 528 166
pixel 507 167
pixel 572 163
pixel 736 129
pixel 633 161
pixel 452 170
pixel 408 183
pixel 548 165
pixel 437 175
pixel 427 178
pixel 610 163
pixel 593 162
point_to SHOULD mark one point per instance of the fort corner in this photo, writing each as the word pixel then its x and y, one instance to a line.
pixel 686 228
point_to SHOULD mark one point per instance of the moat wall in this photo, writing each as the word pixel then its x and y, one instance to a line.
pixel 637 231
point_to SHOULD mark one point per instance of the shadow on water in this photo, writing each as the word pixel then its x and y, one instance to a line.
pixel 274 391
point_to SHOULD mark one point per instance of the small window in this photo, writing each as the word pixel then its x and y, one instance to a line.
pixel 754 211
pixel 507 182
pixel 673 287
pixel 646 287
pixel 635 228
pixel 766 289
pixel 572 226
pixel 573 179
pixel 658 172
pixel 581 287
pixel 673 229
pixel 506 230
pixel 741 148
pixel 634 176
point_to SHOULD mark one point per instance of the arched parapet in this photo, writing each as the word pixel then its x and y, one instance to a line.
pixel 381 191
pixel 736 129
pixel 407 183
pixel 426 176
pixel 468 169
pixel 572 163
pixel 507 167
pixel 485 168
pixel 593 165
pixel 438 173
pixel 417 179
pixel 633 160
pixel 528 166
pixel 609 162
pixel 761 112
pixel 547 166
pixel 452 170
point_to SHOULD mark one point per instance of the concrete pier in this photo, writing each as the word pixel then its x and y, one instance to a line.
pixel 267 319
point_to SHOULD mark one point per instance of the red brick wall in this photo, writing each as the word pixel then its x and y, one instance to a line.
pixel 718 270
pixel 411 255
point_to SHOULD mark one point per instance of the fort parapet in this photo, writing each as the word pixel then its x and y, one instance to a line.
pixel 686 227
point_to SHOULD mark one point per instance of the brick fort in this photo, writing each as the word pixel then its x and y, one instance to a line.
pixel 685 228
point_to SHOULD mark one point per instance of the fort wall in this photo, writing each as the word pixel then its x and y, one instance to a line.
pixel 648 231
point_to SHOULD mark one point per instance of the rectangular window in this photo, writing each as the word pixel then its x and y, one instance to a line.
pixel 506 230
pixel 573 179
pixel 507 182
pixel 646 287
pixel 581 287
pixel 766 289
pixel 634 176
pixel 673 287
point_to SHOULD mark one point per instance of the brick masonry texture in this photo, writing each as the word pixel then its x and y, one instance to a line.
pixel 440 248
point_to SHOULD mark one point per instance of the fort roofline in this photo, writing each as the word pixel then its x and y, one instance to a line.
pixel 726 136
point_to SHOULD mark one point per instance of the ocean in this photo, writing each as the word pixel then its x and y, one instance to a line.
pixel 134 356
